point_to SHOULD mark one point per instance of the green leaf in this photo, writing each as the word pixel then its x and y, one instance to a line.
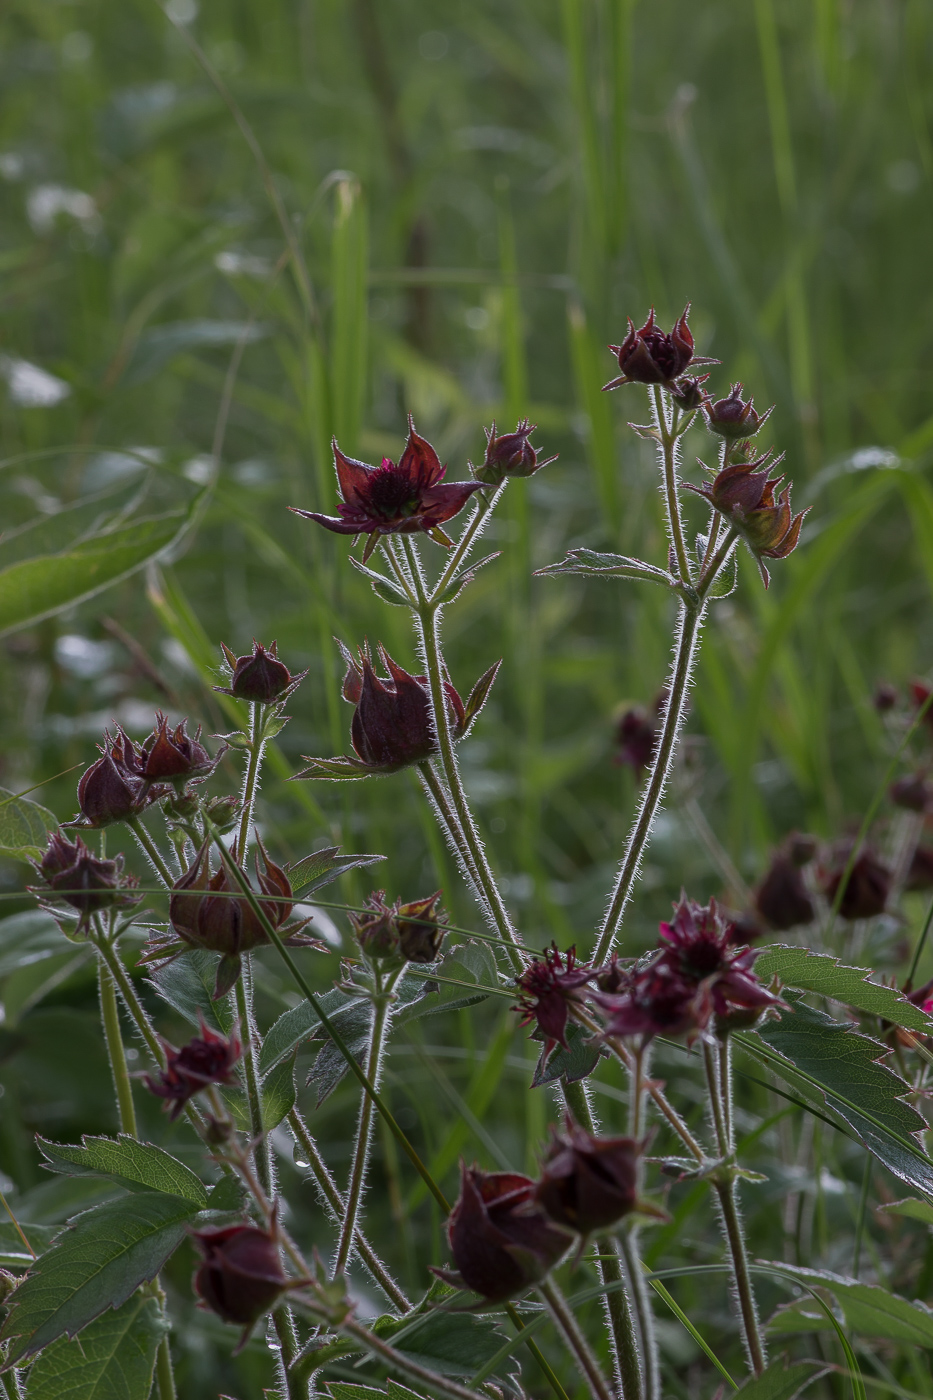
pixel 570 1065
pixel 782 1381
pixel 822 973
pixel 468 962
pixel 724 584
pixel 870 1310
pixel 157 346
pixel 113 1360
pixel 345 1390
pixel 383 587
pixel 837 1070
pixel 24 826
pixel 591 562
pixel 96 1264
pixel 46 584
pixel 187 984
pixel 299 1024
pixel 321 868
pixel 29 937
pixel 228 1194
pixel 278 1098
pixel 455 1344
pixel 911 1208
pixel 478 696
pixel 125 1159
pixel 13 1253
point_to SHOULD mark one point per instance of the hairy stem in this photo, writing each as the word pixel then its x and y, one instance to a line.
pixel 382 1014
pixel 567 1323
pixel 165 1376
pixel 152 852
pixel 690 620
pixel 484 508
pixel 110 1017
pixel 667 430
pixel 450 826
pixel 616 1302
pixel 259 1147
pixel 250 780
pixel 724 1185
pixel 328 1187
pixel 429 637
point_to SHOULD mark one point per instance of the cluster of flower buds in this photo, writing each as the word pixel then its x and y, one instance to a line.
pixel 407 497
pixel 744 494
pixel 210 911
pixel 507 1231
pixel 208 1058
pixel 509 454
pixel 85 881
pixel 392 726
pixel 241 1275
pixel 410 932
pixel 260 678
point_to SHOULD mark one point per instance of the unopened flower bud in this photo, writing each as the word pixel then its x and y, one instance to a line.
pixel 509 454
pixel 885 697
pixel 782 899
pixel 648 356
pixel 376 929
pixel 224 812
pixel 866 889
pixel 920 873
pixel 260 678
pixel 588 1183
pixel 735 417
pixel 86 882
pixel 8 1283
pixel 420 928
pixel 801 847
pixel 745 497
pixel 112 790
pixel 181 806
pixel 241 1276
pixel 174 756
pixel 689 394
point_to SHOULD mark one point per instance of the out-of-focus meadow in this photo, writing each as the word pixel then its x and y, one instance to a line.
pixel 481 193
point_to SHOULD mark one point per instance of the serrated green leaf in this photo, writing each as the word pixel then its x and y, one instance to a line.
pixel 911 1208
pixel 345 1390
pixel 114 1358
pixel 95 1264
pixel 321 868
pixel 24 825
pixel 455 1344
pixel 278 1097
pixel 825 974
pixel 40 587
pixel 29 937
pixel 126 1159
pixel 591 562
pixel 299 1024
pixel 870 1310
pixel 468 962
pixel 571 1065
pixel 781 1381
pixel 13 1253
pixel 187 984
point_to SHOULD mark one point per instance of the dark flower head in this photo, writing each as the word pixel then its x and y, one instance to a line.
pixel 86 882
pixel 920 873
pixel 501 1241
pixel 402 498
pixel 867 888
pixel 735 417
pixel 588 1183
pixel 912 792
pixel 885 697
pixel 782 899
pixel 745 497
pixel 112 790
pixel 208 1058
pixel 657 1001
pixel 546 987
pixel 376 930
pixel 241 1276
pixel 689 394
pixel 261 677
pixel 420 926
pixel 173 755
pixel 649 356
pixel 920 694
pixel 509 454
pixel 636 737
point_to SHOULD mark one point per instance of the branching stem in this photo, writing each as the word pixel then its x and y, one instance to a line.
pixel 567 1323
pixel 151 851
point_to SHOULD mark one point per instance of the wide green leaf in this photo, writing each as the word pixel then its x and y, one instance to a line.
pixel 42 586
pixel 319 869
pixel 870 1310
pixel 278 1098
pixel 114 1358
pixel 822 973
pixel 127 1160
pixel 29 937
pixel 187 984
pixel 96 1264
pixel 911 1208
pixel 24 825
pixel 470 962
pixel 592 563
pixel 781 1381
pixel 13 1253
pixel 300 1023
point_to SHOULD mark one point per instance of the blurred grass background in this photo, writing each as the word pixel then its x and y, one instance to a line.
pixel 481 193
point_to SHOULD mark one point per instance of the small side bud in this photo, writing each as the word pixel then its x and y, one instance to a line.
pixel 260 678
pixel 509 454
pixel 376 929
pixel 735 417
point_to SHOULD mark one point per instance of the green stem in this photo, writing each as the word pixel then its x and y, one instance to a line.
pixel 691 614
pixel 429 636
pixel 110 1016
pixel 334 1199
pixel 719 558
pixel 567 1323
pixel 259 1146
pixel 447 820
pixel 378 1031
pixel 165 1376
pixel 250 780
pixel 152 851
pixel 616 1302
pixel 669 435
pixel 484 508
pixel 138 1013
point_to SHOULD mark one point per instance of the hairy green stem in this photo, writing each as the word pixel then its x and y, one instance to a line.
pixel 667 430
pixel 484 508
pixel 429 638
pixel 616 1302
pixel 450 826
pixel 110 1016
pixel 381 1019
pixel 250 780
pixel 328 1187
pixel 152 851
pixel 259 1147
pixel 567 1324
pixel 165 1376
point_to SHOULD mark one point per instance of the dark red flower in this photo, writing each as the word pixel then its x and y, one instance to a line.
pixel 657 1001
pixel 588 1183
pixel 112 790
pixel 241 1276
pixel 920 873
pixel 920 694
pixel 402 498
pixel 912 792
pixel 261 677
pixel 648 356
pixel 509 454
pixel 782 899
pixel 636 737
pixel 84 881
pixel 746 498
pixel 735 417
pixel 208 1058
pixel 501 1241
pixel 173 755
pixel 866 889
pixel 885 697
pixel 546 987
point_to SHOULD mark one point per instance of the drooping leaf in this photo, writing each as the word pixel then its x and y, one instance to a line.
pixel 187 984
pixel 95 1264
pixel 822 973
pixel 781 1381
pixel 42 586
pixel 383 587
pixel 836 1069
pixel 591 562
pixel 321 868
pixel 869 1309
pixel 126 1160
pixel 29 937
pixel 24 825
pixel 114 1358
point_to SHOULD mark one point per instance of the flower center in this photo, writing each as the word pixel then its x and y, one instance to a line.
pixel 389 493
